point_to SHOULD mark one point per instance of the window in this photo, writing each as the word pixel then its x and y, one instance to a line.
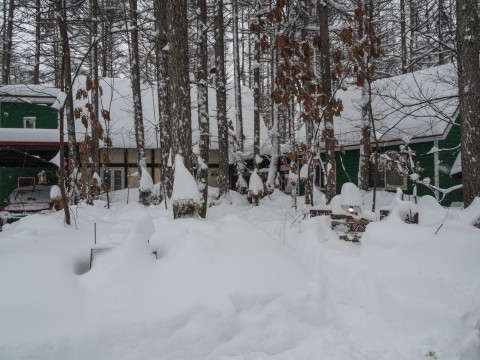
pixel 319 178
pixel 26 181
pixel 29 122
pixel 115 178
pixel 389 176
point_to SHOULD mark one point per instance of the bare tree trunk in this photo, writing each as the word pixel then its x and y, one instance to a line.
pixel 322 15
pixel 66 80
pixel 95 121
pixel 178 81
pixel 256 82
pixel 7 44
pixel 468 42
pixel 202 99
pixel 413 23
pixel 365 148
pixel 62 176
pixel 165 127
pixel 136 90
pixel 275 129
pixel 238 88
pixel 223 173
pixel 36 67
pixel 403 37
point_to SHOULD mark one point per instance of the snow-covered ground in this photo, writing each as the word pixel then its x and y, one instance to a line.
pixel 246 283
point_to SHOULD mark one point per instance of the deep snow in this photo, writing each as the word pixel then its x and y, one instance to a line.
pixel 247 283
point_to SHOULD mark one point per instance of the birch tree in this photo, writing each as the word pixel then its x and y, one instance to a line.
pixel 202 100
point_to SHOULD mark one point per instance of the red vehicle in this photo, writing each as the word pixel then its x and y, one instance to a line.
pixel 24 201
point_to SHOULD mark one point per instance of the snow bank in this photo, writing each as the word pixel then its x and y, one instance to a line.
pixel 245 283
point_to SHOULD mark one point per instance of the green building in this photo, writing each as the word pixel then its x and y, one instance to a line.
pixel 29 136
pixel 417 126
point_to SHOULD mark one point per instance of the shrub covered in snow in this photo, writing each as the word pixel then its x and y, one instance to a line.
pixel 255 187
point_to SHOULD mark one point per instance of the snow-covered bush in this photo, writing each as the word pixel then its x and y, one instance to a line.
pixel 255 187
pixel 56 196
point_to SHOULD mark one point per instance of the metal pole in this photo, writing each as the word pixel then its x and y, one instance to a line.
pixel 95 232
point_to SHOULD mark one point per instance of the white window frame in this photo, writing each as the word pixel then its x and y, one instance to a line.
pixel 111 170
pixel 30 118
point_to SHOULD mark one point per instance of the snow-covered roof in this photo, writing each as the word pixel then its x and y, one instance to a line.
pixel 10 136
pixel 34 94
pixel 117 98
pixel 414 106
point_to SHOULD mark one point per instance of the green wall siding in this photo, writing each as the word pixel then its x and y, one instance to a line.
pixel 348 172
pixel 9 178
pixel 47 117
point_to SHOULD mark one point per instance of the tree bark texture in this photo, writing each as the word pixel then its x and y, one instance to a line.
pixel 256 83
pixel 165 127
pixel 178 81
pixel 136 90
pixel 95 96
pixel 322 15
pixel 66 80
pixel 223 173
pixel 237 82
pixel 202 100
pixel 468 42
pixel 7 44
pixel 36 66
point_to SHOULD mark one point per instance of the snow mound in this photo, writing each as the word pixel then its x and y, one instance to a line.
pixel 184 185
pixel 400 209
pixel 430 211
pixel 471 215
pixel 55 192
